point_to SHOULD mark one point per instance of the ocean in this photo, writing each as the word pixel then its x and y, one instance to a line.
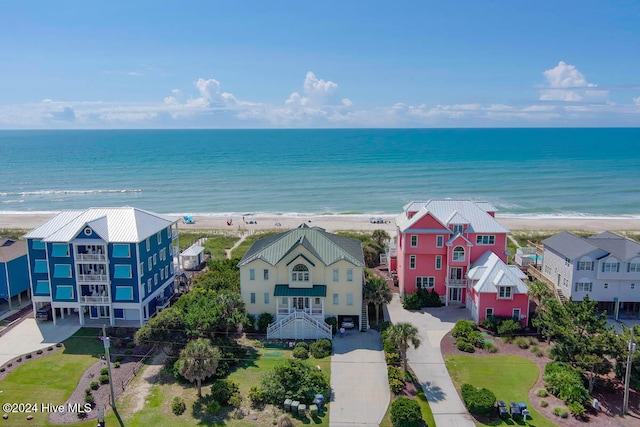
pixel 524 172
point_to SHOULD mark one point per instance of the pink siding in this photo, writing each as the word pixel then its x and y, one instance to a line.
pixel 503 307
pixel 498 248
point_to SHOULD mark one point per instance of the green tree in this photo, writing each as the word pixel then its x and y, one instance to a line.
pixel 539 292
pixel 167 328
pixel 377 292
pixel 380 236
pixel 401 335
pixel 218 280
pixel 198 361
pixel 293 379
pixel 233 312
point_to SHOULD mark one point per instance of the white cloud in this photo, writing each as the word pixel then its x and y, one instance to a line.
pixel 347 102
pixel 566 83
pixel 208 88
pixel 637 101
pixel 314 85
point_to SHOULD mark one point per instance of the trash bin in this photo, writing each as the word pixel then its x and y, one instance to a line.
pixel 318 400
pixel 287 405
pixel 302 409
pixel 294 406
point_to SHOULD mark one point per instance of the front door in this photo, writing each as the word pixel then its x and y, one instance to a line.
pixel 300 303
pixel 455 294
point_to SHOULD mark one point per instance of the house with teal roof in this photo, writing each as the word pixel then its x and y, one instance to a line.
pixel 104 265
pixel 303 276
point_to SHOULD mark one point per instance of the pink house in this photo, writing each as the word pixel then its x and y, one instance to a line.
pixel 439 240
pixel 496 289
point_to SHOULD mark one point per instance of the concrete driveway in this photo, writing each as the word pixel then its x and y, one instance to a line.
pixel 359 384
pixel 428 364
pixel 29 336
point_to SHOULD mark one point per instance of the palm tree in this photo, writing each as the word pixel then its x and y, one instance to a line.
pixel 539 292
pixel 198 361
pixel 377 291
pixel 380 236
pixel 401 335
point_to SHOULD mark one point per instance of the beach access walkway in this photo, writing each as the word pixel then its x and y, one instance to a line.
pixel 427 362
pixel 359 384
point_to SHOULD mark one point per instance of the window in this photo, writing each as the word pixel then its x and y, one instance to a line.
pixel 485 240
pixel 547 269
pixel 163 254
pixel 414 240
pixel 166 271
pixel 149 286
pixel 285 301
pixel 118 313
pixel 155 259
pixel 265 274
pixel 439 241
pixel 516 314
pixel 155 279
pixel 159 236
pixel 350 275
pixel 489 312
pixel 148 242
pixel 162 274
pixel 38 245
pixel 124 293
pixel 336 299
pixel 438 262
pixel 141 271
pixel 266 297
pixel 252 297
pixel 300 273
pixel 121 251
pixel 42 287
pixel 458 253
pixel 585 265
pixel 252 274
pixel 40 266
pixel 171 268
pixel 150 263
pixel 633 267
pixel 565 282
pixel 505 292
pixel 606 286
pixel 350 298
pixel 633 286
pixel 567 262
pixel 60 250
pixel 62 271
pixel 317 301
pixel 458 228
pixel 612 267
pixel 64 292
pixel 88 231
pixel 336 275
pixel 583 286
pixel 412 262
pixel 122 272
pixel 425 282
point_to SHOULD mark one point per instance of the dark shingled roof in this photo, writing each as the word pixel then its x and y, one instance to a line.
pixel 618 246
pixel 572 246
pixel 328 248
pixel 569 245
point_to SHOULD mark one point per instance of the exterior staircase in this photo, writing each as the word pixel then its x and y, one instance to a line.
pixel 365 317
pixel 298 326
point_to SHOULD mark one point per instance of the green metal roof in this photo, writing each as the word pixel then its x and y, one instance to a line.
pixel 286 291
pixel 328 248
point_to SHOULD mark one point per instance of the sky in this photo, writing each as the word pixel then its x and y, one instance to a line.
pixel 331 64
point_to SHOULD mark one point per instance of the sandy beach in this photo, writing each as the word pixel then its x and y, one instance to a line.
pixel 28 221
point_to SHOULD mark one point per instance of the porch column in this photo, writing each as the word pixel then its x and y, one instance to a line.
pixel 112 320
pixel 81 316
pixel 616 310
pixel 446 296
pixel 322 305
pixel 277 307
pixel 53 310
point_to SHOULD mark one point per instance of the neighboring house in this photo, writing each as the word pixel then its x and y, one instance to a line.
pixel 302 277
pixel 439 240
pixel 497 289
pixel 110 264
pixel 605 267
pixel 14 274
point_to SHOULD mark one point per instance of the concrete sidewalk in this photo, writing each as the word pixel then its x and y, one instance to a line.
pixel 359 384
pixel 29 336
pixel 428 364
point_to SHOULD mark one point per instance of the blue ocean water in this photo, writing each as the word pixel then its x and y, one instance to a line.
pixel 559 172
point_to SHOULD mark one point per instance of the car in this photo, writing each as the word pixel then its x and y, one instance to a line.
pixel 348 323
pixel 44 313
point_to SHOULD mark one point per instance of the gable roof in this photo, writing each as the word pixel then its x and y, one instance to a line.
pixel 122 224
pixel 328 248
pixel 572 246
pixel 11 249
pixel 450 212
pixel 618 246
pixel 490 272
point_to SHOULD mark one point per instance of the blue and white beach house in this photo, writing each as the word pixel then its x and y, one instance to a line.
pixel 103 263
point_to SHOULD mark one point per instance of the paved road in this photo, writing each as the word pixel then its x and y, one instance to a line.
pixel 29 335
pixel 360 388
pixel 428 364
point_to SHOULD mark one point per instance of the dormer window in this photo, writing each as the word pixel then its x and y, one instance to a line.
pixel 300 273
pixel 458 228
pixel 505 292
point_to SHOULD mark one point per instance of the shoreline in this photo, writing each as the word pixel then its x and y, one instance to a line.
pixel 356 222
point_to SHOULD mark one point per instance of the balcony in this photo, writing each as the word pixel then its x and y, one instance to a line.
pixel 95 299
pixel 93 278
pixel 91 257
pixel 456 283
pixel 311 311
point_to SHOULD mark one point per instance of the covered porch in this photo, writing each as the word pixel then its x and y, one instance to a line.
pixel 306 300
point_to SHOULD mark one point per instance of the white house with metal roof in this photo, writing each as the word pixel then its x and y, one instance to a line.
pixel 303 276
pixel 605 267
pixel 110 265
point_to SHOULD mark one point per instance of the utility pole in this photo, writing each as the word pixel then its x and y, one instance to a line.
pixel 107 343
pixel 627 378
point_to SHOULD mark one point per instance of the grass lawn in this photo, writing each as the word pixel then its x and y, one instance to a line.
pixel 52 378
pixel 215 244
pixel 509 377
pixel 246 244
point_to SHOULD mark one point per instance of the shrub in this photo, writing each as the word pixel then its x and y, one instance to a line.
pixel 522 342
pixel 49 348
pixel 396 386
pixel 479 401
pixel 19 359
pixel 491 347
pixel 463 328
pixel 576 409
pixel 94 385
pixel 213 407
pixel 508 339
pixel 412 302
pixel 128 352
pixel 405 412
pixel 508 327
pixel 394 372
pixel 59 345
pixel 321 348
pixel 537 351
pixel 131 344
pixel 89 399
pixel 333 322
pixel 293 379
pixel 475 339
pixel 300 353
pixel 464 345
pixel 119 358
pixel 39 352
pixel 2 369
pixel 255 395
pixel 565 382
pixel 392 358
pixel 235 400
pixel 544 403
pixel 104 379
pixel 9 365
pixel 249 324
pixel 223 390
pixel 541 392
pixel 28 356
pixel 120 332
pixel 178 406
pixel 263 322
pixel 87 391
pixel 303 345
pixel 116 365
pixel 104 371
pixel 560 412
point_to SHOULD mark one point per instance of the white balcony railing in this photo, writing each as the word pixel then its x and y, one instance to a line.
pixel 309 311
pixel 91 299
pixel 93 278
pixel 91 257
pixel 457 282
